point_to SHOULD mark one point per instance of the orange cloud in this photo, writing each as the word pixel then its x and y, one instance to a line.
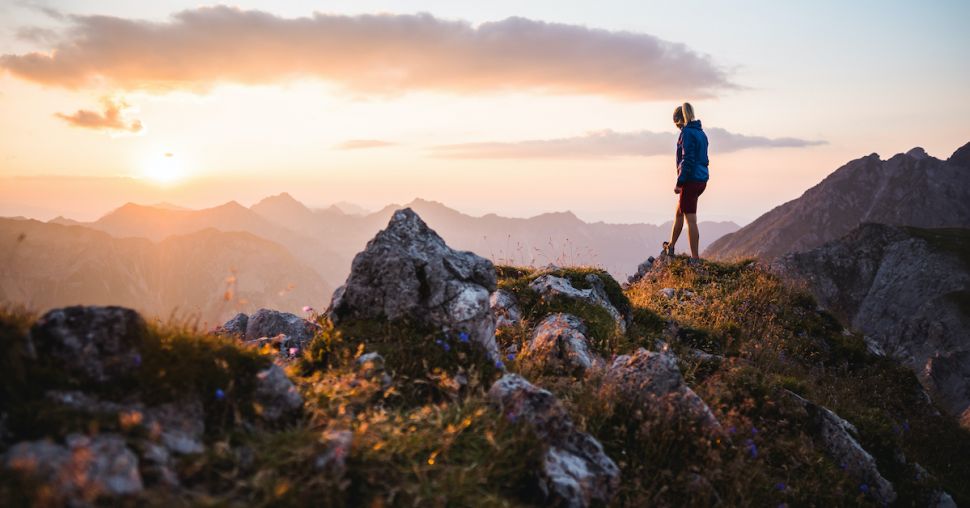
pixel 111 119
pixel 371 54
pixel 609 143
pixel 356 144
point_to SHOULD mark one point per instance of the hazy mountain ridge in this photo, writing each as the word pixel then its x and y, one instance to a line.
pixel 911 189
pixel 49 265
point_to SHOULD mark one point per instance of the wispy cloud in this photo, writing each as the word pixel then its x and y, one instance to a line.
pixel 369 54
pixel 608 143
pixel 356 144
pixel 113 118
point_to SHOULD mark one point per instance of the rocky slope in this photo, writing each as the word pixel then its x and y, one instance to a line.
pixel 911 189
pixel 698 385
pixel 208 274
pixel 907 289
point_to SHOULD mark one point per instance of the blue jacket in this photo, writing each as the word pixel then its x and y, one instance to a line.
pixel 692 158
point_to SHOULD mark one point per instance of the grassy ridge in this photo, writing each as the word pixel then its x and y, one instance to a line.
pixel 426 435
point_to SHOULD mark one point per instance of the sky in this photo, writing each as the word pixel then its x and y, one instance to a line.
pixel 516 108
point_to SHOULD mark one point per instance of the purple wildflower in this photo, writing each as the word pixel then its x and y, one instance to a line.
pixel 864 488
pixel 463 336
pixel 510 356
pixel 752 448
pixel 732 429
pixel 780 486
pixel 220 395
pixel 499 364
pixel 294 351
pixel 136 360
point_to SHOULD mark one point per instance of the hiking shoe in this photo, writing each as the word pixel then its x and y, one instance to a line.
pixel 667 250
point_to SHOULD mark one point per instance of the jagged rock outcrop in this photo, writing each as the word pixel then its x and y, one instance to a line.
pixel 289 332
pixel 576 471
pixel 840 440
pixel 906 289
pixel 910 189
pixel 505 309
pixel 98 344
pixel 83 468
pixel 642 270
pixel 551 286
pixel 560 343
pixel 408 272
pixel 650 381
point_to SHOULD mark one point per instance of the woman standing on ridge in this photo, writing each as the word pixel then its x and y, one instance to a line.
pixel 692 175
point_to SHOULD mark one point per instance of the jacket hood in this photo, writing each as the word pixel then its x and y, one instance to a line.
pixel 693 124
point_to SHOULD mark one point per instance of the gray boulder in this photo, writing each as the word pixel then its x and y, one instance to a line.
pixel 271 323
pixel 84 468
pixel 576 471
pixel 840 440
pixel 407 271
pixel 94 343
pixel 652 381
pixel 505 309
pixel 276 396
pixel 642 270
pixel 551 286
pixel 560 342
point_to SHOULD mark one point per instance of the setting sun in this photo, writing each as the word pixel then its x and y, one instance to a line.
pixel 165 168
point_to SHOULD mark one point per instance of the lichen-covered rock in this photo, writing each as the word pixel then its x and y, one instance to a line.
pixel 576 470
pixel 505 309
pixel 276 396
pixel 652 381
pixel 408 272
pixel 560 342
pixel 94 343
pixel 840 440
pixel 551 286
pixel 84 468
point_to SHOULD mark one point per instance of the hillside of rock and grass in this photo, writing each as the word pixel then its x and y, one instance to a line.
pixel 438 379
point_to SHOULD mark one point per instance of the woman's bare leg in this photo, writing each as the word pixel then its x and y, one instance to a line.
pixel 693 234
pixel 675 230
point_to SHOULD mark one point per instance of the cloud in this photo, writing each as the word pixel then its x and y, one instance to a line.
pixel 112 119
pixel 608 143
pixel 369 54
pixel 356 144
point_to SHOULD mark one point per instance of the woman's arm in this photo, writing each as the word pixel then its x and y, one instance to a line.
pixel 688 160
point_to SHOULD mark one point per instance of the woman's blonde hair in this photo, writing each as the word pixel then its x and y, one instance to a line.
pixel 688 112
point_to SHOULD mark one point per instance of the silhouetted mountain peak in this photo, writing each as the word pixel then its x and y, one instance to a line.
pixel 961 157
pixel 917 153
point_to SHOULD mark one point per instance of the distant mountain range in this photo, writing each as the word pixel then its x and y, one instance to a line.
pixel 909 189
pixel 206 274
pixel 280 238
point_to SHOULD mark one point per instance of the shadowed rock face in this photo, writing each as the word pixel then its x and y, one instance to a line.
pixel 906 289
pixel 550 286
pixel 407 272
pixel 840 440
pixel 576 470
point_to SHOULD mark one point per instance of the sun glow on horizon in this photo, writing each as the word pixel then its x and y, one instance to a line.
pixel 164 169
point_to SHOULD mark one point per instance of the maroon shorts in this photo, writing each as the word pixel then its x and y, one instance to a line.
pixel 689 192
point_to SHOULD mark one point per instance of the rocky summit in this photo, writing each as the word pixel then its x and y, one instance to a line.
pixel 439 379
